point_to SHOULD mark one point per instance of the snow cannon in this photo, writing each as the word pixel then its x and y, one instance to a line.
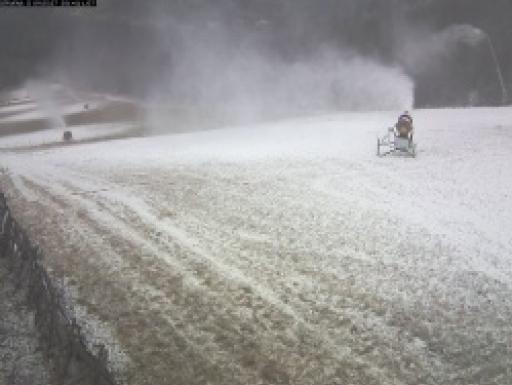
pixel 67 136
pixel 399 139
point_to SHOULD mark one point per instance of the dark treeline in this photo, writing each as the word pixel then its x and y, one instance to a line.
pixel 117 47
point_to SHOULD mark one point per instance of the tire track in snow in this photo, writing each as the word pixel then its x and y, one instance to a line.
pixel 343 357
pixel 140 285
pixel 401 345
pixel 268 298
pixel 220 210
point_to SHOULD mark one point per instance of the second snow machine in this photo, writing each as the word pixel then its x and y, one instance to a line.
pixel 399 139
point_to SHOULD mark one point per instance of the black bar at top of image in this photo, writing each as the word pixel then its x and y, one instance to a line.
pixel 47 3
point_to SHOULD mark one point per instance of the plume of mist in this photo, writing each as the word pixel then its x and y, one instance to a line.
pixel 49 100
pixel 214 78
pixel 455 66
pixel 422 49
pixel 207 66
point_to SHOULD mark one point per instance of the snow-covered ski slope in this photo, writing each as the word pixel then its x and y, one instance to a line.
pixel 31 123
pixel 286 253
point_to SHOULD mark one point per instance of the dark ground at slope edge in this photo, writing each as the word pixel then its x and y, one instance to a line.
pixel 21 360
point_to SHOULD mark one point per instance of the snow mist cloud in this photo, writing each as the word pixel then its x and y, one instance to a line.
pixel 206 64
pixel 422 49
pixel 214 77
pixel 47 96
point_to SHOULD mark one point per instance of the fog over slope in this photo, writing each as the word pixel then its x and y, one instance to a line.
pixel 266 58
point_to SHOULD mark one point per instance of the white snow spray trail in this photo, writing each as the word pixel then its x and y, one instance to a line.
pixel 46 97
pixel 220 82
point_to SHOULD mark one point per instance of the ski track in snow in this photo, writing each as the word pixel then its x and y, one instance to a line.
pixel 287 252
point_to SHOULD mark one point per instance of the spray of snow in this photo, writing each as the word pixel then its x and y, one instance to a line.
pixel 46 97
pixel 221 79
pixel 421 49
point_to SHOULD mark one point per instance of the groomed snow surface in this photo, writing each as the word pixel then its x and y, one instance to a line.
pixel 285 253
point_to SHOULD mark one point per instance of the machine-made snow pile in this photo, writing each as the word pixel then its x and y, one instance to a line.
pixel 285 253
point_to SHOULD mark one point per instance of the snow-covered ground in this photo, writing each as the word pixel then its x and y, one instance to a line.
pixel 286 253
pixel 54 135
pixel 31 123
pixel 29 111
pixel 18 108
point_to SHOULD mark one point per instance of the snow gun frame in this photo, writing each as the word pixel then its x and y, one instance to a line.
pixel 394 144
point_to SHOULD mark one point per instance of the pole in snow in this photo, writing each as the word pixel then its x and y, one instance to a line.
pixel 499 72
